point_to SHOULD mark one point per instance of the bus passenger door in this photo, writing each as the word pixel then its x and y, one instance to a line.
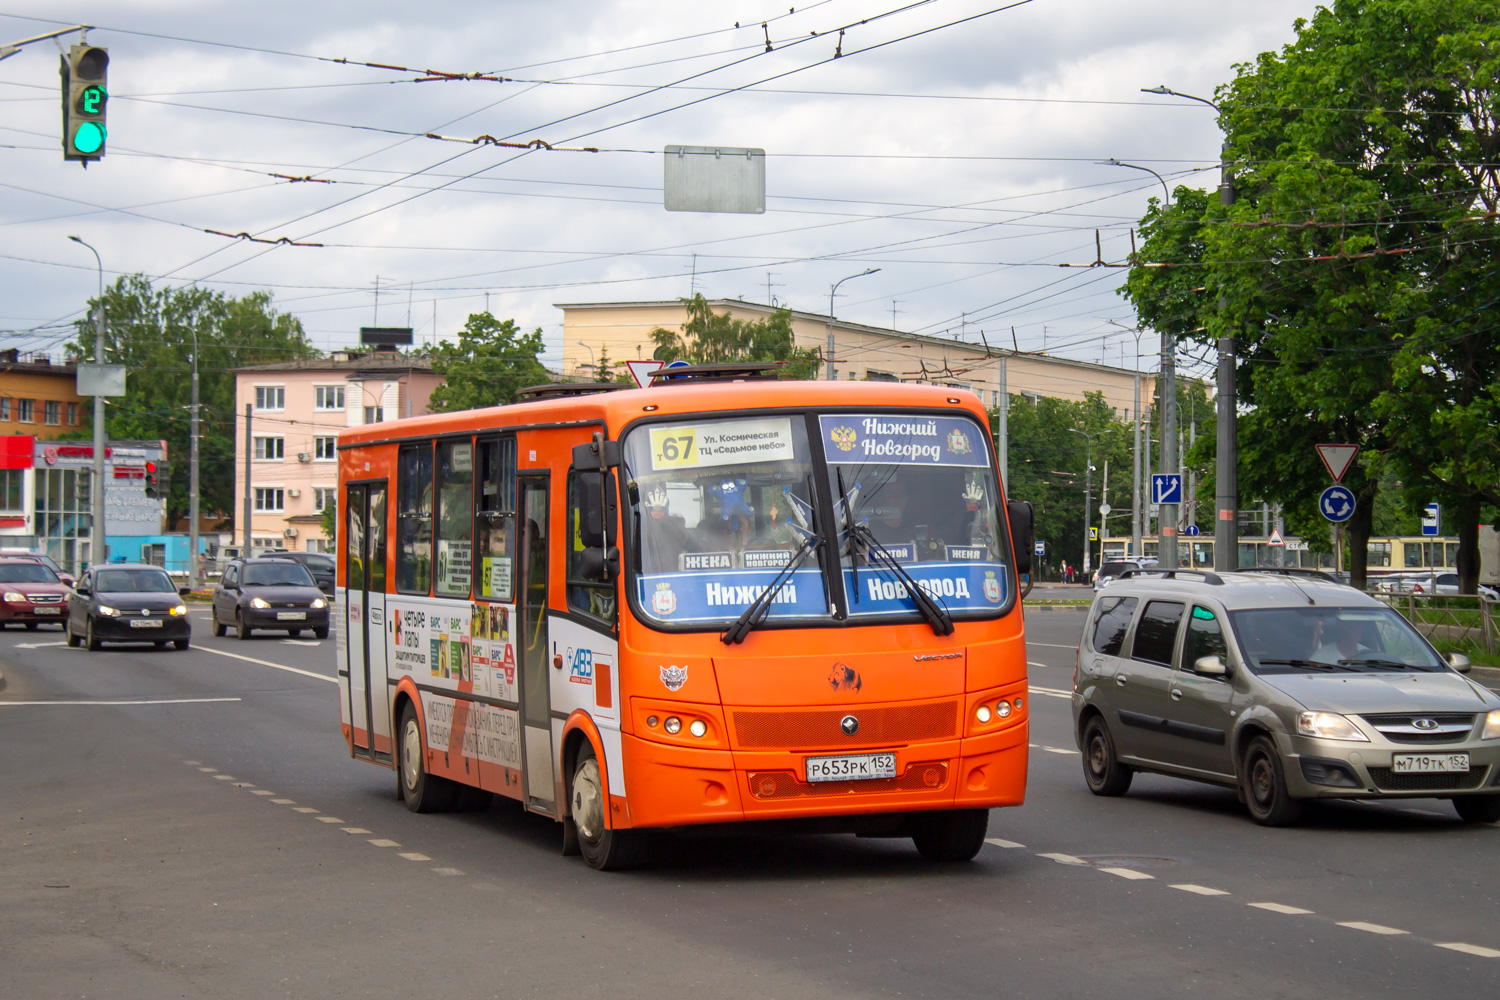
pixel 535 649
pixel 364 606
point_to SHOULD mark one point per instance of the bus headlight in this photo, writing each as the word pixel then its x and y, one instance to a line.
pixel 259 602
pixel 673 725
pixel 698 728
pixel 982 713
pixel 1002 708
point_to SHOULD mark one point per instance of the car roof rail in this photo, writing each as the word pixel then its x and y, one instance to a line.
pixel 1171 574
pixel 1314 574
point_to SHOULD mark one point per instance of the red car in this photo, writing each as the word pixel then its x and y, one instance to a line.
pixel 30 593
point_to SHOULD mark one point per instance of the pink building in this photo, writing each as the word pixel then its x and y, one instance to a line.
pixel 298 409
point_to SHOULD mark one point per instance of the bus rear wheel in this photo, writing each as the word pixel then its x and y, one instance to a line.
pixel 953 835
pixel 603 849
pixel 422 792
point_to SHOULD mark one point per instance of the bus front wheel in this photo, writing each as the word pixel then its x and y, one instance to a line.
pixel 603 849
pixel 422 792
pixel 953 835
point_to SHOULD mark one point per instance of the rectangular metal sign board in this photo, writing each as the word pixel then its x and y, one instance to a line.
pixel 101 380
pixel 714 179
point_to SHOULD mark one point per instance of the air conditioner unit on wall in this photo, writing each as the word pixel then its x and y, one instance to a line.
pixel 294 493
pixel 289 533
pixel 304 456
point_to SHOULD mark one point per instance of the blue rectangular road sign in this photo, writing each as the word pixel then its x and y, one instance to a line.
pixel 1041 548
pixel 1166 489
pixel 1430 519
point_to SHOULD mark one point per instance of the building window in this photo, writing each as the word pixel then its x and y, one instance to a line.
pixel 323 497
pixel 374 414
pixel 270 397
pixel 5 408
pixel 24 410
pixel 324 448
pixel 72 414
pixel 1031 397
pixel 52 411
pixel 268 449
pixel 270 499
pixel 328 397
pixel 11 484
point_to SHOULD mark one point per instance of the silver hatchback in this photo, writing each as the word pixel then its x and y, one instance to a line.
pixel 1286 688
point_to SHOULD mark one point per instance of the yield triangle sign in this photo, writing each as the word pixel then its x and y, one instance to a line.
pixel 640 371
pixel 1337 458
pixel 1276 538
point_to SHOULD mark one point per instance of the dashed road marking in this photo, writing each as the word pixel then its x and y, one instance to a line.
pixel 223 777
pixel 381 842
pixel 1060 750
pixel 1360 925
pixel 1279 908
pixel 447 871
pixel 267 663
pixel 329 819
pixel 243 784
pixel 1063 859
pixel 355 830
pixel 1054 645
pixel 1201 890
pixel 1129 873
pixel 304 809
pixel 193 762
pixel 414 856
pixel 1008 844
pixel 1469 949
pixel 262 791
pixel 284 802
pixel 1051 692
pixel 208 770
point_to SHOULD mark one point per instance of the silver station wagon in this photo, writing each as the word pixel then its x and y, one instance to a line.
pixel 1285 687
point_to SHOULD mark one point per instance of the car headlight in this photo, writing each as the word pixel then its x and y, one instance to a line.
pixel 259 602
pixel 1491 726
pixel 181 609
pixel 11 595
pixel 1328 726
pixel 108 611
pixel 318 602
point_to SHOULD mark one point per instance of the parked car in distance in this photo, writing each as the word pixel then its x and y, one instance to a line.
pixel 40 557
pixel 1114 567
pixel 127 602
pixel 317 563
pixel 1285 688
pixel 268 593
pixel 30 594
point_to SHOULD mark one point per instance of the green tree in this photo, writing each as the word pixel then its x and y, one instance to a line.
pixel 491 362
pixel 152 332
pixel 708 338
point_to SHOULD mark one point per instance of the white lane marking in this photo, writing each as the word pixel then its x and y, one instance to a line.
pixel 355 829
pixel 1008 844
pixel 1054 645
pixel 379 842
pixel 262 791
pixel 1279 908
pixel 1201 890
pixel 1360 925
pixel 1051 692
pixel 1469 949
pixel 414 856
pixel 447 871
pixel 124 701
pixel 223 777
pixel 329 819
pixel 35 645
pixel 208 770
pixel 268 663
pixel 303 642
pixel 1059 750
pixel 304 809
pixel 194 763
pixel 243 784
pixel 284 802
pixel 1129 873
pixel 1063 859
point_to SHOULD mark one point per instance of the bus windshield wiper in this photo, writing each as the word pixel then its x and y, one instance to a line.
pixel 847 501
pixel 937 616
pixel 756 613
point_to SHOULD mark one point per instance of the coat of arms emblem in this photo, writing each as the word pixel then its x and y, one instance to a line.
pixel 958 442
pixel 991 587
pixel 663 602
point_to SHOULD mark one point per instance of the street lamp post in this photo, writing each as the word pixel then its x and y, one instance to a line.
pixel 1226 479
pixel 98 555
pixel 1088 495
pixel 831 292
pixel 592 363
pixel 1135 496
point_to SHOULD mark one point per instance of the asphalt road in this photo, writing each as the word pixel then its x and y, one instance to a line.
pixel 189 824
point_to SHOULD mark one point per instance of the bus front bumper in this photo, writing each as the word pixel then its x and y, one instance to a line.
pixel 681 786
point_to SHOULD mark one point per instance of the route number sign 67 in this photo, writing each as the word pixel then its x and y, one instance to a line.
pixel 674 447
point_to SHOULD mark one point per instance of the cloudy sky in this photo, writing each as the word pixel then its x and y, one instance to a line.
pixel 952 145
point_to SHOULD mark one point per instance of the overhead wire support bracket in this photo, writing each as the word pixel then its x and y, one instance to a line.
pixel 427 74
pixel 285 241
pixel 489 140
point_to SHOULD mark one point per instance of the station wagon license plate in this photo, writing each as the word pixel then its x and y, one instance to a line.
pixel 859 767
pixel 291 616
pixel 1403 763
pixel 145 623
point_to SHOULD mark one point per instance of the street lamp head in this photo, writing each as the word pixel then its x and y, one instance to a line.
pixel 75 239
pixel 1111 162
pixel 1160 88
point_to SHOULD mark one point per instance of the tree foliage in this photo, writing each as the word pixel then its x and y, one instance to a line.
pixel 152 332
pixel 491 362
pixel 708 338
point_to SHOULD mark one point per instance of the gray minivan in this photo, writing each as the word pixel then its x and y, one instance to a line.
pixel 1286 688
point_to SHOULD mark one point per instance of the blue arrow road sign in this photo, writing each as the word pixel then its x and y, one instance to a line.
pixel 1336 504
pixel 1166 489
pixel 1430 519
pixel 1192 529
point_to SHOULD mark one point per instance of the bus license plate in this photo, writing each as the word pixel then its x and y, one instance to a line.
pixel 861 767
pixel 1403 763
pixel 145 623
pixel 291 616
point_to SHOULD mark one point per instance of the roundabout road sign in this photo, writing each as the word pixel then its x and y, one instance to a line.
pixel 1336 504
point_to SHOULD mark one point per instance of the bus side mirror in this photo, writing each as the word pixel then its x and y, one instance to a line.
pixel 596 511
pixel 596 455
pixel 1022 532
pixel 599 564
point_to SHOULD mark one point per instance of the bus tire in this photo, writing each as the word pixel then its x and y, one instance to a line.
pixel 603 849
pixel 422 792
pixel 951 835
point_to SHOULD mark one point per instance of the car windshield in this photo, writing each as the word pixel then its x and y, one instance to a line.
pixel 1323 639
pixel 277 574
pixel 27 573
pixel 721 507
pixel 133 581
pixel 915 492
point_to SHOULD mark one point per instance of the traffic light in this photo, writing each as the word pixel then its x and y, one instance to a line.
pixel 85 97
pixel 153 483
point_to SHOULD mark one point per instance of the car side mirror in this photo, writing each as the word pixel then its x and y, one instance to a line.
pixel 1210 666
pixel 184 591
pixel 1459 662
pixel 81 591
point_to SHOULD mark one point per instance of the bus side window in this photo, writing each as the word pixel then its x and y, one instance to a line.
pixel 414 519
pixel 455 467
pixel 495 521
pixel 591 590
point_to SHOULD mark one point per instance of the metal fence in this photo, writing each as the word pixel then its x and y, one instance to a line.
pixel 1451 621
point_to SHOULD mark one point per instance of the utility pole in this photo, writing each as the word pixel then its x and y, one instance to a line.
pixel 1135 496
pixel 193 575
pixel 249 506
pixel 100 550
pixel 1088 493
pixel 1167 519
pixel 1103 517
pixel 1003 416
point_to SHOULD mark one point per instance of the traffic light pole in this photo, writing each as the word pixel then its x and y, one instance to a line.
pixel 1166 523
pixel 193 575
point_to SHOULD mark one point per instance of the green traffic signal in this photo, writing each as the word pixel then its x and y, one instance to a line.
pixel 89 138
pixel 91 100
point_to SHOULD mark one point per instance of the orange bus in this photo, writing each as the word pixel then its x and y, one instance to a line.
pixel 720 599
